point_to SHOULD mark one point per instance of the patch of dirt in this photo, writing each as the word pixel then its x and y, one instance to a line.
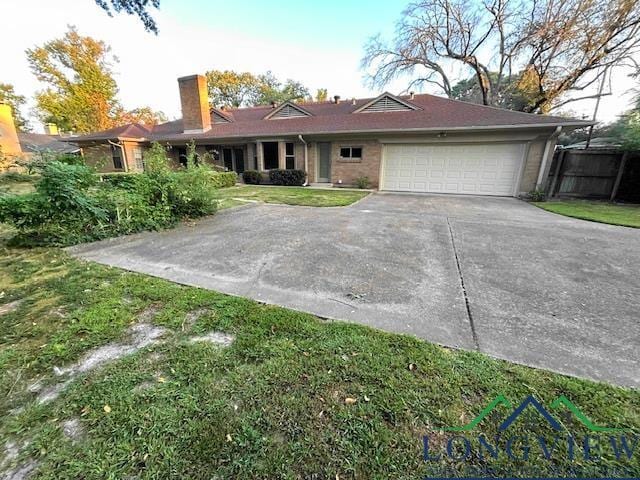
pixel 73 429
pixel 214 337
pixel 141 335
pixel 21 472
pixel 192 317
pixel 11 451
pixel 9 307
pixel 149 313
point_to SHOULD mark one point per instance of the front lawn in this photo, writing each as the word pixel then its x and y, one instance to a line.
pixel 305 196
pixel 603 212
pixel 293 396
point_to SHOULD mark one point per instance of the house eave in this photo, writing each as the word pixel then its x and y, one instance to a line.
pixel 483 128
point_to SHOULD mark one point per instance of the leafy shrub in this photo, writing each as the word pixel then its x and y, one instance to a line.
pixel 223 179
pixel 119 180
pixel 363 182
pixel 72 204
pixel 287 177
pixel 61 211
pixel 537 195
pixel 252 177
pixel 191 193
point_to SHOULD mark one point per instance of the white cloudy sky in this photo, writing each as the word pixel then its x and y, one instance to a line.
pixel 317 43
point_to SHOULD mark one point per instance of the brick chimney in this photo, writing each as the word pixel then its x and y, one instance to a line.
pixel 51 129
pixel 9 142
pixel 194 98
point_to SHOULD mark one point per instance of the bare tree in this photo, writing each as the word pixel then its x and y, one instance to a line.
pixel 545 48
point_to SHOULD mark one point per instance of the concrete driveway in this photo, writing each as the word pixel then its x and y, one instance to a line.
pixel 492 274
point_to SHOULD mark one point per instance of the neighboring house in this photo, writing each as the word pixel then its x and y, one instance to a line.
pixel 18 145
pixel 9 142
pixel 32 143
pixel 413 143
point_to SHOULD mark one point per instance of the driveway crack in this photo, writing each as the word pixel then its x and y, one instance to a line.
pixel 474 334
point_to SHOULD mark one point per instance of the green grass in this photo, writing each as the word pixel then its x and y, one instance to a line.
pixel 272 405
pixel 290 195
pixel 603 212
pixel 17 183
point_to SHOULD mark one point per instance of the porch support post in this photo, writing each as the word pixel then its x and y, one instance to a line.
pixel 260 153
pixel 282 162
pixel 250 163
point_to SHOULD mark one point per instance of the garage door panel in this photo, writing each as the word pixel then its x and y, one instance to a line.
pixel 485 169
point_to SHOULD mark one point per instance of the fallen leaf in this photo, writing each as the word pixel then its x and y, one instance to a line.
pixel 162 379
pixel 350 400
pixel 107 409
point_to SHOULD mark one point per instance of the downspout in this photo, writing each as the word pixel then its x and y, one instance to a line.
pixel 124 155
pixel 306 162
pixel 545 156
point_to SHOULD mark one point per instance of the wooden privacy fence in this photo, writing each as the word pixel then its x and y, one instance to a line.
pixel 595 173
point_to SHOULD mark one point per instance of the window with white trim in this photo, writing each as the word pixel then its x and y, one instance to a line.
pixel 351 154
pixel 137 156
pixel 116 156
pixel 289 156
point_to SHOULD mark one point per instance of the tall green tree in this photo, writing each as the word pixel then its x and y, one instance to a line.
pixel 272 90
pixel 81 93
pixel 322 95
pixel 242 89
pixel 133 7
pixel 231 89
pixel 11 98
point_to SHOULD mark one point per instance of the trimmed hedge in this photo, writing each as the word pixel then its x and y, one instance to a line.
pixel 287 177
pixel 224 179
pixel 252 177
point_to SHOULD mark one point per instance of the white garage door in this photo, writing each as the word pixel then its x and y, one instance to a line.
pixel 477 169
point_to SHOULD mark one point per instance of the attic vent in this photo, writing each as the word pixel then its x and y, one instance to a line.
pixel 386 103
pixel 219 118
pixel 288 110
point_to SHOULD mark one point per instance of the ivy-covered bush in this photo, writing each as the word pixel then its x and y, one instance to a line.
pixel 73 204
pixel 252 177
pixel 287 177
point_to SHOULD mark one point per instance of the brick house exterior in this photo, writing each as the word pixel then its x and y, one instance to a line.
pixel 408 143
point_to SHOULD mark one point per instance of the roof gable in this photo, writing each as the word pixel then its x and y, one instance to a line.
pixel 386 103
pixel 219 117
pixel 288 110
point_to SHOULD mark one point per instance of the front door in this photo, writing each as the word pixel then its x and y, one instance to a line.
pixel 324 162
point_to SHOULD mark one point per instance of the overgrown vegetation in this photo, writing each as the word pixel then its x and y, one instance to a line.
pixel 291 178
pixel 70 204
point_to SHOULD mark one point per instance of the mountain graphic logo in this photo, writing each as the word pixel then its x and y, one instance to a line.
pixel 530 402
